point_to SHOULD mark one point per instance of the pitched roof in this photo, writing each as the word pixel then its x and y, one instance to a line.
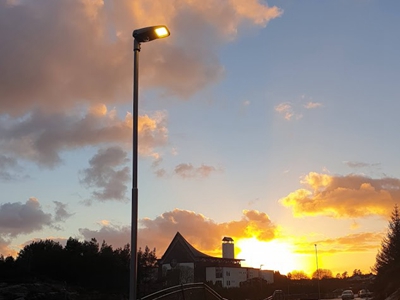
pixel 179 239
pixel 195 255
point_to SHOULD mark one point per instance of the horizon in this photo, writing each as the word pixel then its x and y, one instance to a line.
pixel 244 264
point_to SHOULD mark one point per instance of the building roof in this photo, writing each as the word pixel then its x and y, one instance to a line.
pixel 182 249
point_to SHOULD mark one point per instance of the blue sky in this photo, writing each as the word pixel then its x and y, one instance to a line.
pixel 271 120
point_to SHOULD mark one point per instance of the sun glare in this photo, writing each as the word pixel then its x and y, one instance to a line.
pixel 274 255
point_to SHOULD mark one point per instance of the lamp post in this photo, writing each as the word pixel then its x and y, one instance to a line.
pixel 316 258
pixel 141 35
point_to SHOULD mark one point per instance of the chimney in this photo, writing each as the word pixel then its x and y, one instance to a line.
pixel 228 248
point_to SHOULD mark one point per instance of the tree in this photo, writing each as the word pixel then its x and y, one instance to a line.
pixel 387 265
pixel 297 275
pixel 42 258
pixel 146 270
pixel 322 274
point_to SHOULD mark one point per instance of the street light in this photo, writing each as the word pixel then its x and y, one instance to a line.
pixel 141 35
pixel 316 258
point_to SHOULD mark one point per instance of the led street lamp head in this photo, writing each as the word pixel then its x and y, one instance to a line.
pixel 148 34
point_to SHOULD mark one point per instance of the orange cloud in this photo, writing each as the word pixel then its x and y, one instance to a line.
pixel 5 249
pixel 225 17
pixel 350 196
pixel 203 232
pixel 358 242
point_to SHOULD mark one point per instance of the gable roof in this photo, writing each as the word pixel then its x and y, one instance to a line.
pixel 179 242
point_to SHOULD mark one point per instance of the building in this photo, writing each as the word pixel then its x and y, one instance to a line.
pixel 182 263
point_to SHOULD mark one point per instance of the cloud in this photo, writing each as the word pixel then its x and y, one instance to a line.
pixel 153 133
pixel 359 164
pixel 286 110
pixel 17 218
pixel 200 231
pixel 56 61
pixel 189 171
pixel 60 52
pixel 40 137
pixel 161 173
pixel 9 169
pixel 311 105
pixel 5 250
pixel 114 235
pixel 351 196
pixel 24 218
pixel 357 242
pixel 70 55
pixel 295 110
pixel 61 214
pixel 107 174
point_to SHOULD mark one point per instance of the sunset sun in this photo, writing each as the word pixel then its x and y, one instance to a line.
pixel 273 255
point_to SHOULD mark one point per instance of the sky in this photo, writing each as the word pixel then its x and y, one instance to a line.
pixel 274 123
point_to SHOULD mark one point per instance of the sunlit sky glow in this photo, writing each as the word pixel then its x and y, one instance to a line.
pixel 272 122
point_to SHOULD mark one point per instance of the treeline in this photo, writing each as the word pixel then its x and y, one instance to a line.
pixel 85 264
pixel 323 274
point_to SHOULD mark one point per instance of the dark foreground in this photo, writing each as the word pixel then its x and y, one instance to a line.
pixel 46 291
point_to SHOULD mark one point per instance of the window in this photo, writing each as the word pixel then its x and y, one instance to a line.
pixel 218 272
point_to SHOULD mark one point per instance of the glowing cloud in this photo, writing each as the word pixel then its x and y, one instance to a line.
pixel 350 196
pixel 203 232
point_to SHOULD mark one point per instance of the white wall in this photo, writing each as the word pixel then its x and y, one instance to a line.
pixel 232 277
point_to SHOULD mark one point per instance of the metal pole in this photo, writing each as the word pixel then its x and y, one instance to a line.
pixel 316 257
pixel 134 217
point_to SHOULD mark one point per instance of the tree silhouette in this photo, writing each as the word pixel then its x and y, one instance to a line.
pixel 322 274
pixel 297 275
pixel 387 265
pixel 42 259
pixel 85 264
pixel 147 270
pixel 8 270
